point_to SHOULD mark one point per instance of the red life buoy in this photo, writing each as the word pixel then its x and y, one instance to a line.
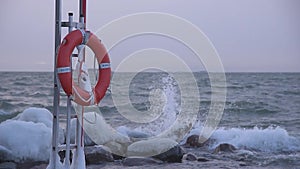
pixel 64 70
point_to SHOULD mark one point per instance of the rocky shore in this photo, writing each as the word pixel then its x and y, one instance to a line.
pixel 31 150
pixel 186 156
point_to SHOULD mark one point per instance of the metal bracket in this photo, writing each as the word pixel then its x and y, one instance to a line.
pixel 73 24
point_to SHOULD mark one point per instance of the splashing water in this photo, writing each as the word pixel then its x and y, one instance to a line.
pixel 165 100
pixel 271 139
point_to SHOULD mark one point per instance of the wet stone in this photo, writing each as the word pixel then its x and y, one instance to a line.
pixel 193 141
pixel 97 154
pixel 8 165
pixel 140 161
pixel 173 155
pixel 202 159
pixel 42 166
pixel 225 147
pixel 29 164
pixel 189 157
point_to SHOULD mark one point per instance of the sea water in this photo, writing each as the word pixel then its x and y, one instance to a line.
pixel 261 115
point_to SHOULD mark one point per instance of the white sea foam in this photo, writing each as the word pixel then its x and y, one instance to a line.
pixel 271 139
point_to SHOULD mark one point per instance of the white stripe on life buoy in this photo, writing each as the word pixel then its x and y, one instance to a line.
pixel 104 65
pixel 63 70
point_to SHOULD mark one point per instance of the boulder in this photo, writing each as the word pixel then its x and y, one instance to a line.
pixel 140 161
pixel 132 133
pixel 23 141
pixel 119 149
pixel 100 132
pixel 62 154
pixel 32 165
pixel 151 147
pixel 193 141
pixel 224 147
pixel 36 115
pixel 41 166
pixel 87 140
pixel 189 157
pixel 97 154
pixel 202 159
pixel 173 155
pixel 8 165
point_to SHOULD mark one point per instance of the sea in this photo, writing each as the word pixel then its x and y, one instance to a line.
pixel 261 117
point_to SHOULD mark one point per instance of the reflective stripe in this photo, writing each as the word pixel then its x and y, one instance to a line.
pixel 104 65
pixel 63 70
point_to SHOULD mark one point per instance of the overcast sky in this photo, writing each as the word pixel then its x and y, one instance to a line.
pixel 249 35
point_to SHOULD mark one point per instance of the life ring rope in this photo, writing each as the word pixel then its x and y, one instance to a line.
pixel 90 99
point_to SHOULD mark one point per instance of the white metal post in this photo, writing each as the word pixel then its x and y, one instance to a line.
pixel 54 162
pixel 55 125
pixel 78 156
pixel 68 127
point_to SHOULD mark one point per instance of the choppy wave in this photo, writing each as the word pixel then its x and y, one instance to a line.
pixel 6 105
pixel 2 112
pixel 251 107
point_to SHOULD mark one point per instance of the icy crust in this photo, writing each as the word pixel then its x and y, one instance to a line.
pixel 152 147
pixel 25 140
pixel 27 136
pixel 101 132
pixel 36 115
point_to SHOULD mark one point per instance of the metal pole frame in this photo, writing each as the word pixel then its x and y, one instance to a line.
pixel 56 98
pixel 79 139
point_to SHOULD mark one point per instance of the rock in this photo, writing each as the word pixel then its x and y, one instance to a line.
pixel 243 164
pixel 62 154
pixel 140 161
pixel 117 157
pixel 189 157
pixel 32 164
pixel 151 147
pixel 40 115
pixel 24 141
pixel 173 155
pixel 160 148
pixel 132 133
pixel 224 147
pixel 36 115
pixel 202 159
pixel 193 141
pixel 100 132
pixel 42 166
pixel 97 154
pixel 117 148
pixel 8 165
pixel 5 154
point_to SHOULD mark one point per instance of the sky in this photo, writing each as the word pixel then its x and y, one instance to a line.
pixel 249 35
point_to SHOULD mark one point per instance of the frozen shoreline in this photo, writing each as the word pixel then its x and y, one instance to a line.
pixel 267 148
